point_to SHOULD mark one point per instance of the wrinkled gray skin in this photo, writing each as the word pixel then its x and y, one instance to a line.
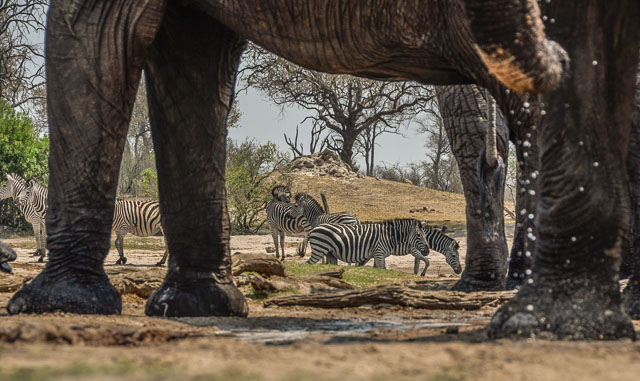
pixel 6 255
pixel 95 54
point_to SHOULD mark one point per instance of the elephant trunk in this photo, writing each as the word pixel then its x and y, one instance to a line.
pixel 510 39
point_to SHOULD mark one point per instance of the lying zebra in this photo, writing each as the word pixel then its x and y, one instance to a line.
pixel 15 187
pixel 141 218
pixel 358 243
pixel 315 215
pixel 437 241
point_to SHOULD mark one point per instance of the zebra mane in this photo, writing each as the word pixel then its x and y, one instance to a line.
pixel 307 198
pixel 16 177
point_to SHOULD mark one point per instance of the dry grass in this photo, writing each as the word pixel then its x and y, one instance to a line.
pixel 376 200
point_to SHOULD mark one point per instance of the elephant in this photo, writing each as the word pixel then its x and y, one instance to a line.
pixel 6 255
pixel 190 51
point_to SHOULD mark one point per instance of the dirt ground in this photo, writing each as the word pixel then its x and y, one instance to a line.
pixel 372 342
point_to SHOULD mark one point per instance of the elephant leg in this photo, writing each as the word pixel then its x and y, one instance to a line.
pixel 120 247
pixel 94 52
pixel 632 291
pixel 583 207
pixel 190 77
pixel 464 114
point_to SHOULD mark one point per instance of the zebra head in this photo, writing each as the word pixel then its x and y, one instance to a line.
pixel 306 205
pixel 452 257
pixel 8 189
pixel 281 193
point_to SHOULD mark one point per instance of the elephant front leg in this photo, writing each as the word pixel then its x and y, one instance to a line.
pixel 583 209
pixel 190 77
pixel 94 52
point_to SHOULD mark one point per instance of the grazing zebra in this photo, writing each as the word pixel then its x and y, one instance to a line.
pixel 281 221
pixel 356 243
pixel 14 187
pixel 141 218
pixel 437 241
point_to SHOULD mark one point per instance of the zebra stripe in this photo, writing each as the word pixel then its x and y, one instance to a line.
pixel 281 221
pixel 315 215
pixel 36 194
pixel 140 218
pixel 357 243
pixel 15 187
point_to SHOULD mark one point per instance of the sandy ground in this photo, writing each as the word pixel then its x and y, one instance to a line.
pixel 293 343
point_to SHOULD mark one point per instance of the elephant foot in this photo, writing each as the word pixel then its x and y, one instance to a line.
pixel 196 294
pixel 470 284
pixel 121 261
pixel 560 311
pixel 67 293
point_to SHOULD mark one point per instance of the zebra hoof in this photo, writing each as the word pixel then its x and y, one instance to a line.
pixel 121 261
pixel 41 259
pixel 196 294
pixel 160 264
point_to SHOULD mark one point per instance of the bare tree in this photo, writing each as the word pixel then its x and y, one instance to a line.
pixel 347 106
pixel 317 142
pixel 21 60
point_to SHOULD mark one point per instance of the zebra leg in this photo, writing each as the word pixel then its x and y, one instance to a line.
pixel 166 252
pixel 275 235
pixel 36 236
pixel 43 239
pixel 190 87
pixel 91 89
pixel 378 260
pixel 282 235
pixel 40 242
pixel 416 264
pixel 120 247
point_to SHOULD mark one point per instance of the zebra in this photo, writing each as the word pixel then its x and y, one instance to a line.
pixel 437 241
pixel 141 218
pixel 315 215
pixel 281 221
pixel 15 187
pixel 356 243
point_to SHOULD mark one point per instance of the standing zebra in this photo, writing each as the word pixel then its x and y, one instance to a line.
pixel 141 218
pixel 315 215
pixel 281 221
pixel 356 243
pixel 437 241
pixel 14 187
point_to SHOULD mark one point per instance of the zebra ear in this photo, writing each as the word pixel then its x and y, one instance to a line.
pixel 444 229
pixel 457 245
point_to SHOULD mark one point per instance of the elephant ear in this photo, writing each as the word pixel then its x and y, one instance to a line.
pixel 510 39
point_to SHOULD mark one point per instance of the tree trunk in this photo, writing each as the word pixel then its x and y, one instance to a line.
pixel 464 115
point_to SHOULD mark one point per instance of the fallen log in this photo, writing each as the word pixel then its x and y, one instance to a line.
pixel 258 263
pixel 299 284
pixel 396 294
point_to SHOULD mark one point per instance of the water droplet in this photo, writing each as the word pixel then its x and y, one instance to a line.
pixel 508 91
pixel 523 212
pixel 532 192
pixel 528 271
pixel 544 18
pixel 526 144
pixel 573 239
pixel 608 313
pixel 518 122
pixel 595 164
pixel 567 261
pixel 566 105
pixel 528 135
pixel 518 142
pixel 581 189
pixel 530 280
pixel 580 143
pixel 552 21
pixel 515 275
pixel 529 229
pixel 527 253
pixel 529 307
pixel 525 154
pixel 493 276
pixel 526 104
pixel 531 216
pixel 542 112
pixel 527 181
pixel 519 253
pixel 534 174
pixel 594 63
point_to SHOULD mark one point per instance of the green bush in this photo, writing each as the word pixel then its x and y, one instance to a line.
pixel 23 152
pixel 252 170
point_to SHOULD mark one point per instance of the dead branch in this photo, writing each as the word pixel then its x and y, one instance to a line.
pixel 396 295
pixel 258 263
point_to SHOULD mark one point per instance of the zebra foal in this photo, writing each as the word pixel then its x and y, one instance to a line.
pixel 141 218
pixel 357 243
